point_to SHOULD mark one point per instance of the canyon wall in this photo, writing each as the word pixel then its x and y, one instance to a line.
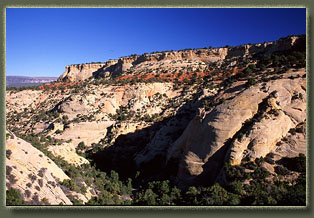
pixel 80 72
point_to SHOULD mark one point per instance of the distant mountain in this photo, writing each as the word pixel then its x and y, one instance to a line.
pixel 18 81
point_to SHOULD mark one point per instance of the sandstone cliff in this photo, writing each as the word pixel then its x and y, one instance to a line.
pixel 135 63
pixel 206 143
pixel 80 72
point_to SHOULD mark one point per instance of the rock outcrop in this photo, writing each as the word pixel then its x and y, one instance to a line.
pixel 201 140
pixel 281 115
pixel 35 175
pixel 68 153
pixel 87 132
pixel 80 72
pixel 205 144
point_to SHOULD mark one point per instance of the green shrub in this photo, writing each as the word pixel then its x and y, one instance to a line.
pixel 281 170
pixel 13 197
pixel 8 153
pixel 250 82
pixel 297 164
pixel 214 195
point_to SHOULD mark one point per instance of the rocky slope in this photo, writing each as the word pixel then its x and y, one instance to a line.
pixel 177 115
pixel 35 175
pixel 203 145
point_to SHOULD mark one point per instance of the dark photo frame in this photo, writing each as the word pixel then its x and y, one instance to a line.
pixel 138 211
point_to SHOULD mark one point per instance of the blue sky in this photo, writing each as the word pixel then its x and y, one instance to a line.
pixel 41 41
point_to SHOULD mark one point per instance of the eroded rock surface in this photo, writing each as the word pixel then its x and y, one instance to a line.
pixel 182 58
pixel 204 144
pixel 34 174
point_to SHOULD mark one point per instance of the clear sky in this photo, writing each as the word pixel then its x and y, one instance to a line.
pixel 41 41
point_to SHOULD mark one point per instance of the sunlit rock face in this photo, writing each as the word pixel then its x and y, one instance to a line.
pixel 81 72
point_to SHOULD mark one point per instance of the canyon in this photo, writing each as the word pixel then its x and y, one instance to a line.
pixel 183 116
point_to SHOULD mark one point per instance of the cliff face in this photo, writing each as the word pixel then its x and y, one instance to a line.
pixel 267 47
pixel 222 136
pixel 79 72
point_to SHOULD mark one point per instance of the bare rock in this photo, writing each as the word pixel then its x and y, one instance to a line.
pixel 68 153
pixel 34 174
pixel 80 72
pixel 87 132
pixel 204 144
pixel 264 134
pixel 201 140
